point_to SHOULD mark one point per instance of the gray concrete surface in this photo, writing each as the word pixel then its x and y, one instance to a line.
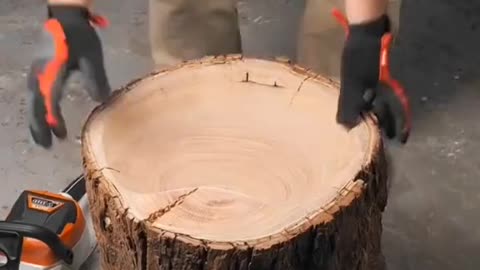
pixel 433 217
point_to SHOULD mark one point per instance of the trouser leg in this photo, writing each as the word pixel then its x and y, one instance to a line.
pixel 189 29
pixel 321 38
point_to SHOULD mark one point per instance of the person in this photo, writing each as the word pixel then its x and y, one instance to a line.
pixel 188 29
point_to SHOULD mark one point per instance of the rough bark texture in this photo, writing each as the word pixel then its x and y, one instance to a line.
pixel 346 235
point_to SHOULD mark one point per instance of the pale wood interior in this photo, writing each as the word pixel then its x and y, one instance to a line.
pixel 240 160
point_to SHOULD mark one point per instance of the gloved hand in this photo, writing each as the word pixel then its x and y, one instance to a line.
pixel 69 43
pixel 366 84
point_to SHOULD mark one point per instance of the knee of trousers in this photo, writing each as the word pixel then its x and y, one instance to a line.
pixel 189 29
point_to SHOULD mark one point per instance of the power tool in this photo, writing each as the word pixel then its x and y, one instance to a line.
pixel 46 230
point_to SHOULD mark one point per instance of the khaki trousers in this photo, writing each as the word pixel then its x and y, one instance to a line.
pixel 188 29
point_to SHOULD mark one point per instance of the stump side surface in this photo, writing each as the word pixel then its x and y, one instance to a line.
pixel 351 240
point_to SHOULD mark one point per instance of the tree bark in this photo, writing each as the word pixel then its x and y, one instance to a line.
pixel 343 234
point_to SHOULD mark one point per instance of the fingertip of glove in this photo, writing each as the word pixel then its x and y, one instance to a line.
pixel 347 120
pixel 348 125
pixel 45 140
pixel 60 132
pixel 403 138
pixel 102 95
pixel 99 92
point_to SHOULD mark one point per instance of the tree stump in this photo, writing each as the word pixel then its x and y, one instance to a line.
pixel 230 163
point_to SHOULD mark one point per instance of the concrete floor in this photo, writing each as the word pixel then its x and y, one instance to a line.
pixel 433 217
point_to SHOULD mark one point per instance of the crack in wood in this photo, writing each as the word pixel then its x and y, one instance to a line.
pixel 298 89
pixel 159 213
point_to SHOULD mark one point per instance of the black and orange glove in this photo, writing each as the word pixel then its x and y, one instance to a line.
pixel 69 43
pixel 366 83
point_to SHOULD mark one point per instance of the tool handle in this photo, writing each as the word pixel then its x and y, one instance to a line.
pixel 37 232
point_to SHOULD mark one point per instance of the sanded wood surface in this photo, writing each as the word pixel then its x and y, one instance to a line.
pixel 233 163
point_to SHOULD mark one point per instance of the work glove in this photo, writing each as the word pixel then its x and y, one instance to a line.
pixel 69 43
pixel 366 83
